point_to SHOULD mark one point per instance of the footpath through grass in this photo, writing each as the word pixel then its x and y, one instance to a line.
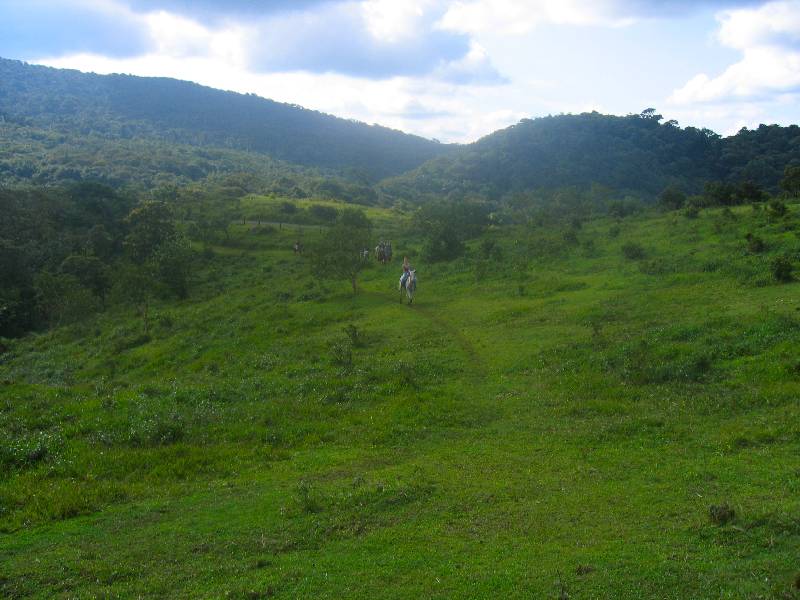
pixel 609 423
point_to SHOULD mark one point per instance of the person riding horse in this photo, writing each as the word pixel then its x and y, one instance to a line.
pixel 406 272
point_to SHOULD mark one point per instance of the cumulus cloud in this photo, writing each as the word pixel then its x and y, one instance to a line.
pixel 769 40
pixel 374 39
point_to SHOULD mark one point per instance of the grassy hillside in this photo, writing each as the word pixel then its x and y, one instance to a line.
pixel 118 108
pixel 603 411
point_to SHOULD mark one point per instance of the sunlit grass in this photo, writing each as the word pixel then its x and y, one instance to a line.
pixel 486 442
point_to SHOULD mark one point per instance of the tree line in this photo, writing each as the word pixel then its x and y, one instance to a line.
pixel 68 252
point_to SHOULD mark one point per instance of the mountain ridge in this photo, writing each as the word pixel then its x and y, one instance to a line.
pixel 125 106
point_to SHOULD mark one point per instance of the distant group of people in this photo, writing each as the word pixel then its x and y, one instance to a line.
pixel 383 252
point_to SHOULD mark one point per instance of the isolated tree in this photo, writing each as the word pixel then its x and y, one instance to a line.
pixel 791 180
pixel 150 224
pixel 355 219
pixel 137 285
pixel 672 198
pixel 154 245
pixel 650 113
pixel 747 191
pixel 446 225
pixel 171 265
pixel 325 214
pixel 719 193
pixel 338 254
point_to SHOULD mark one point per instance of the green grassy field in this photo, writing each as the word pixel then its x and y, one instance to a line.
pixel 562 429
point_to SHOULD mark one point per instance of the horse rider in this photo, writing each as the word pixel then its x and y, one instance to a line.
pixel 406 272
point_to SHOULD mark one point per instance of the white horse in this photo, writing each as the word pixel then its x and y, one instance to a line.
pixel 410 286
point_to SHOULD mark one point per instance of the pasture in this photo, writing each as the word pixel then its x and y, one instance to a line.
pixel 583 421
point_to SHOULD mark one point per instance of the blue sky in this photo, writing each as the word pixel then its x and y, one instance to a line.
pixel 448 69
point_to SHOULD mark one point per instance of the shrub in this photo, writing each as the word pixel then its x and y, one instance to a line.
pixel 342 352
pixel 442 243
pixel 490 250
pixel 782 268
pixel 308 503
pixel 322 213
pixel 355 336
pixel 633 251
pixel 754 243
pixel 672 198
pixel 154 424
pixel 777 208
pixel 571 236
pixel 721 514
pixel 289 208
pixel 28 450
pixel 692 208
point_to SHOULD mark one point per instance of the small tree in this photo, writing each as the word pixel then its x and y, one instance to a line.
pixel 747 191
pixel 672 198
pixel 150 224
pixel 171 265
pixel 61 298
pixel 791 180
pixel 136 284
pixel 338 254
pixel 782 269
pixel 322 213
pixel 719 193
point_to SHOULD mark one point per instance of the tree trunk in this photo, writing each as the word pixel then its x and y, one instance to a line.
pixel 144 317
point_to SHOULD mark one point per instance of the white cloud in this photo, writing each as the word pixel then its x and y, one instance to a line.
pixel 390 20
pixel 768 38
pixel 519 17
pixel 775 23
pixel 179 37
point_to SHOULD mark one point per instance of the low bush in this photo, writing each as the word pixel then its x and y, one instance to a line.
pixel 782 269
pixel 721 514
pixel 633 251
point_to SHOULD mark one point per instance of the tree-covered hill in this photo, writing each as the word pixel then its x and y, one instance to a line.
pixel 637 154
pixel 122 107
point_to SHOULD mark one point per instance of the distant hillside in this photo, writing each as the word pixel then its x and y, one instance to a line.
pixel 637 154
pixel 123 107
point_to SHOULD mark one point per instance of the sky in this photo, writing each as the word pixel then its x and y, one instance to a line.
pixel 453 70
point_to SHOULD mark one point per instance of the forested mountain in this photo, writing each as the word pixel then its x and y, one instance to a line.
pixel 60 126
pixel 637 154
pixel 122 107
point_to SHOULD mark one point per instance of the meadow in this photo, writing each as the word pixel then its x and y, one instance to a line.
pixel 606 410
